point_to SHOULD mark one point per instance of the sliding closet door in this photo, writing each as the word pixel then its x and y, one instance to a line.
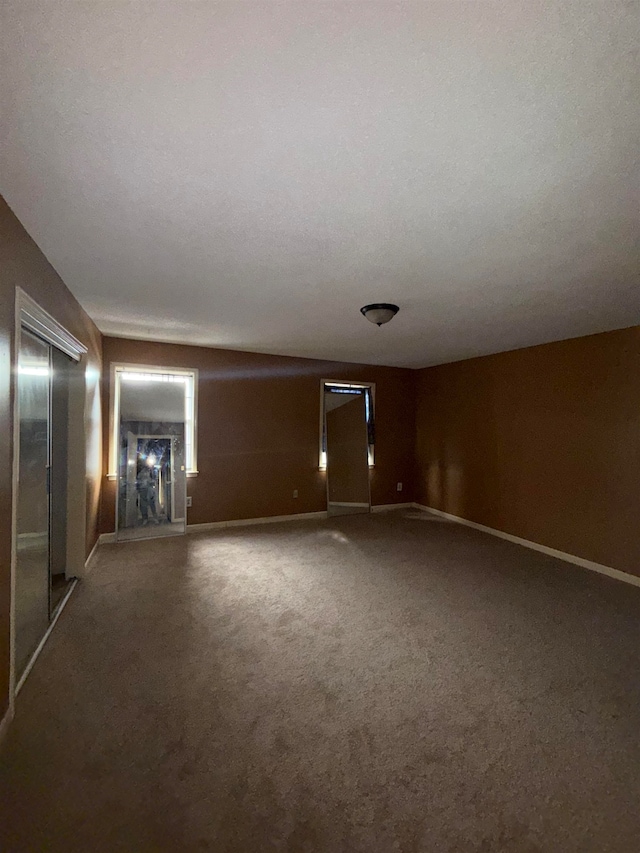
pixel 32 546
pixel 61 369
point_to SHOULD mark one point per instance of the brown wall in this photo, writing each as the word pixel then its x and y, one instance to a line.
pixel 542 443
pixel 258 423
pixel 23 264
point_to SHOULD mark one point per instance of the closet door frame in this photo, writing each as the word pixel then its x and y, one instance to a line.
pixel 30 316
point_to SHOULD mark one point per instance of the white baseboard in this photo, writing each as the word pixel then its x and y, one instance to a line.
pixel 300 516
pixel 6 722
pixel 88 563
pixel 543 549
pixel 245 522
pixel 43 641
pixel 106 538
pixel 387 507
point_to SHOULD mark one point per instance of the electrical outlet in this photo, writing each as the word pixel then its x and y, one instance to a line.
pixel 295 493
pixel 399 487
pixel 189 501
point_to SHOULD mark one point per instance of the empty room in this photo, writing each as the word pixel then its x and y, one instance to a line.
pixel 320 426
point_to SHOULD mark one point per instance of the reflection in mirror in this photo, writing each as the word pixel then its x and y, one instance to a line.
pixel 152 469
pixel 347 452
pixel 32 522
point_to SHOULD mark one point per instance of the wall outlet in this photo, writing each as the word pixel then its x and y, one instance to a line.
pixel 295 493
pixel 189 500
pixel 399 487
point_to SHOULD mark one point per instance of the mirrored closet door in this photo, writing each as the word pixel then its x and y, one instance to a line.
pixel 41 582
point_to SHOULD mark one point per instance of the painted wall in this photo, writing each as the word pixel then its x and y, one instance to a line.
pixel 542 443
pixel 23 264
pixel 258 424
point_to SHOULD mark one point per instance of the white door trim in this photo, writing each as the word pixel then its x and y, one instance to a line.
pixel 36 319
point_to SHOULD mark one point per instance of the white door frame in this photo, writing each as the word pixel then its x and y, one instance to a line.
pixel 323 466
pixel 326 467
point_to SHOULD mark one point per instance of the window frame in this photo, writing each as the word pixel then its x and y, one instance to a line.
pixel 344 383
pixel 191 411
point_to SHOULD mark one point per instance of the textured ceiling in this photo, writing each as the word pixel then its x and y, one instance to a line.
pixel 248 175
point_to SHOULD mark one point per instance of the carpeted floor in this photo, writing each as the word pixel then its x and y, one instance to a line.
pixel 370 683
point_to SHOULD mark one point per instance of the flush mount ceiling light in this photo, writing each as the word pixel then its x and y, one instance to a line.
pixel 379 312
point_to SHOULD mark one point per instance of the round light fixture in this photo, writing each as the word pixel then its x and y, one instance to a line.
pixel 379 312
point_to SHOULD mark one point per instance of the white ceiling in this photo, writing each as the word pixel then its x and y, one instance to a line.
pixel 248 175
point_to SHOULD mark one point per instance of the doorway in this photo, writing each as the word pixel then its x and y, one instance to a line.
pixel 151 493
pixel 346 433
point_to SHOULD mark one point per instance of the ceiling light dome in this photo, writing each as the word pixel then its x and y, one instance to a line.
pixel 380 312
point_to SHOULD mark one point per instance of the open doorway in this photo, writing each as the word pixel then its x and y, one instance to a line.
pixel 346 447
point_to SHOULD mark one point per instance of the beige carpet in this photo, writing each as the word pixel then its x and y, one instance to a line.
pixel 370 683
